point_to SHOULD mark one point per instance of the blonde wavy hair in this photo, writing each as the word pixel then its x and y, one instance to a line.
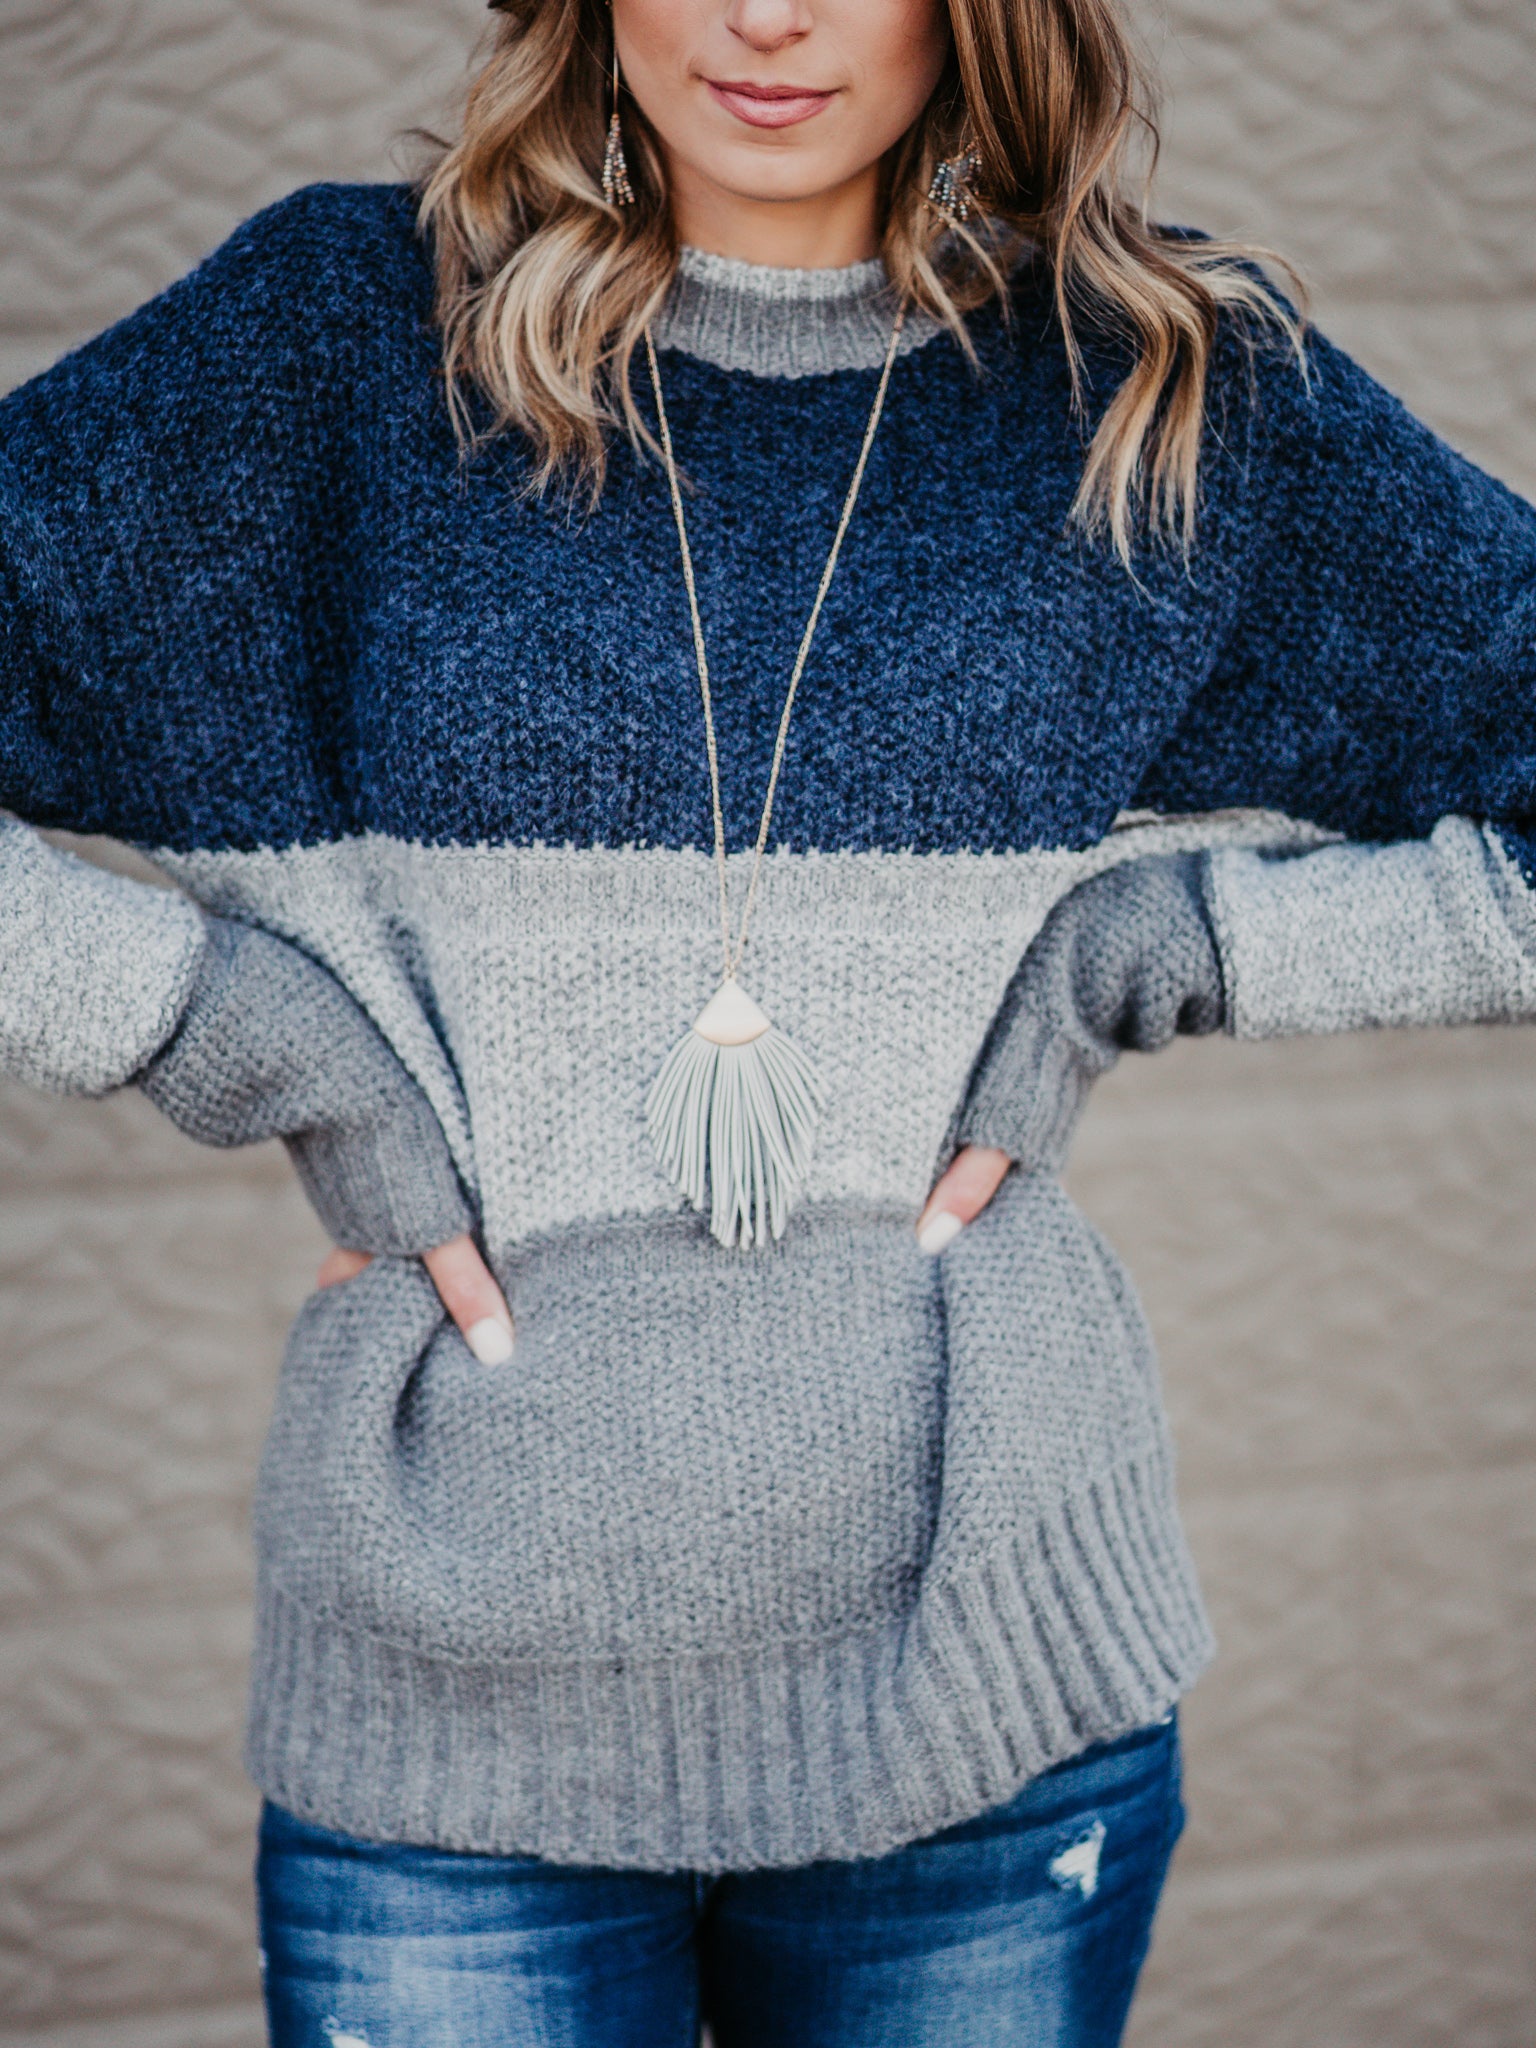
pixel 543 290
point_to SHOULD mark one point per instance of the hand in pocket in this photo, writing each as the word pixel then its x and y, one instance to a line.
pixel 1125 962
pixel 466 1286
pixel 270 1044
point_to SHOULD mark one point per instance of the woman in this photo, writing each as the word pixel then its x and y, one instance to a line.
pixel 716 1540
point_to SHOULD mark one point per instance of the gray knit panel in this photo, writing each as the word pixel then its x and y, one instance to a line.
pixel 771 322
pixel 1438 930
pixel 687 1450
pixel 560 977
pixel 1124 962
pixel 94 967
pixel 271 1045
pixel 729 1565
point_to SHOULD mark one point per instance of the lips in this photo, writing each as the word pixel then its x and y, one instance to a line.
pixel 768 106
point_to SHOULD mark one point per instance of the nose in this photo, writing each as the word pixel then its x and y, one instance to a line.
pixel 768 25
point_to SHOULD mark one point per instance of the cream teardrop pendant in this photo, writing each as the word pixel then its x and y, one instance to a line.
pixel 732 1115
pixel 733 1112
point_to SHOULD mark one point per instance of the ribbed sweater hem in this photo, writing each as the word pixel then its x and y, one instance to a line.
pixel 1082 1627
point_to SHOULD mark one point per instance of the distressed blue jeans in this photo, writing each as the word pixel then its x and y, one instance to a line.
pixel 1027 1925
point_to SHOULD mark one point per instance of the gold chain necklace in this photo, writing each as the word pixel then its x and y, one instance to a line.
pixel 735 1106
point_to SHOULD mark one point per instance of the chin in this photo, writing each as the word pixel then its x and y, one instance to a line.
pixel 780 179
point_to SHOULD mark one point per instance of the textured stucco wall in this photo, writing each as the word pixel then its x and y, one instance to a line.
pixel 1335 1239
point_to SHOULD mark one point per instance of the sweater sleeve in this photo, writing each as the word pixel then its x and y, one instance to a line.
pixel 95 969
pixel 234 1034
pixel 160 629
pixel 178 500
pixel 1378 680
pixel 171 649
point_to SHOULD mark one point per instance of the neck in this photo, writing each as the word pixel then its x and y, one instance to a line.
pixel 823 231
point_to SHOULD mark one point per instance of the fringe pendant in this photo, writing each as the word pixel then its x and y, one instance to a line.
pixel 735 1106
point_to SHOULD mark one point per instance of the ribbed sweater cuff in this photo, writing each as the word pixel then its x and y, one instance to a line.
pixel 270 1044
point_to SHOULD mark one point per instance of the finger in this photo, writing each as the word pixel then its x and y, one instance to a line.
pixel 339 1265
pixel 472 1298
pixel 960 1194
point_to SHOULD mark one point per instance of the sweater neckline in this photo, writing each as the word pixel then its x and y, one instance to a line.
pixel 772 321
pixel 772 281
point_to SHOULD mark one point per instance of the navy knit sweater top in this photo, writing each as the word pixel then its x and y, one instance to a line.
pixel 748 1555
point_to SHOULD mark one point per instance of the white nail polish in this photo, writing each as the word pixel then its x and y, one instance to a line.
pixel 940 1230
pixel 490 1341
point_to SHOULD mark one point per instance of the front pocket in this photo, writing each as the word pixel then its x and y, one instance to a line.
pixel 1052 1376
pixel 692 1449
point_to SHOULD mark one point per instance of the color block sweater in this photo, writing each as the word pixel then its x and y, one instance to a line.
pixel 747 1556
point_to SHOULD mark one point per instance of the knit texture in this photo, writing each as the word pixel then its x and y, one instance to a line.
pixel 737 1632
pixel 1125 962
pixel 784 323
pixel 268 1045
pixel 746 1556
pixel 94 969
pixel 1431 931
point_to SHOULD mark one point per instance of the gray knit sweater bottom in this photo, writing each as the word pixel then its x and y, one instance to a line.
pixel 877 1608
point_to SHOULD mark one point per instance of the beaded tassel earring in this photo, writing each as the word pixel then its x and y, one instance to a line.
pixel 617 189
pixel 953 190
